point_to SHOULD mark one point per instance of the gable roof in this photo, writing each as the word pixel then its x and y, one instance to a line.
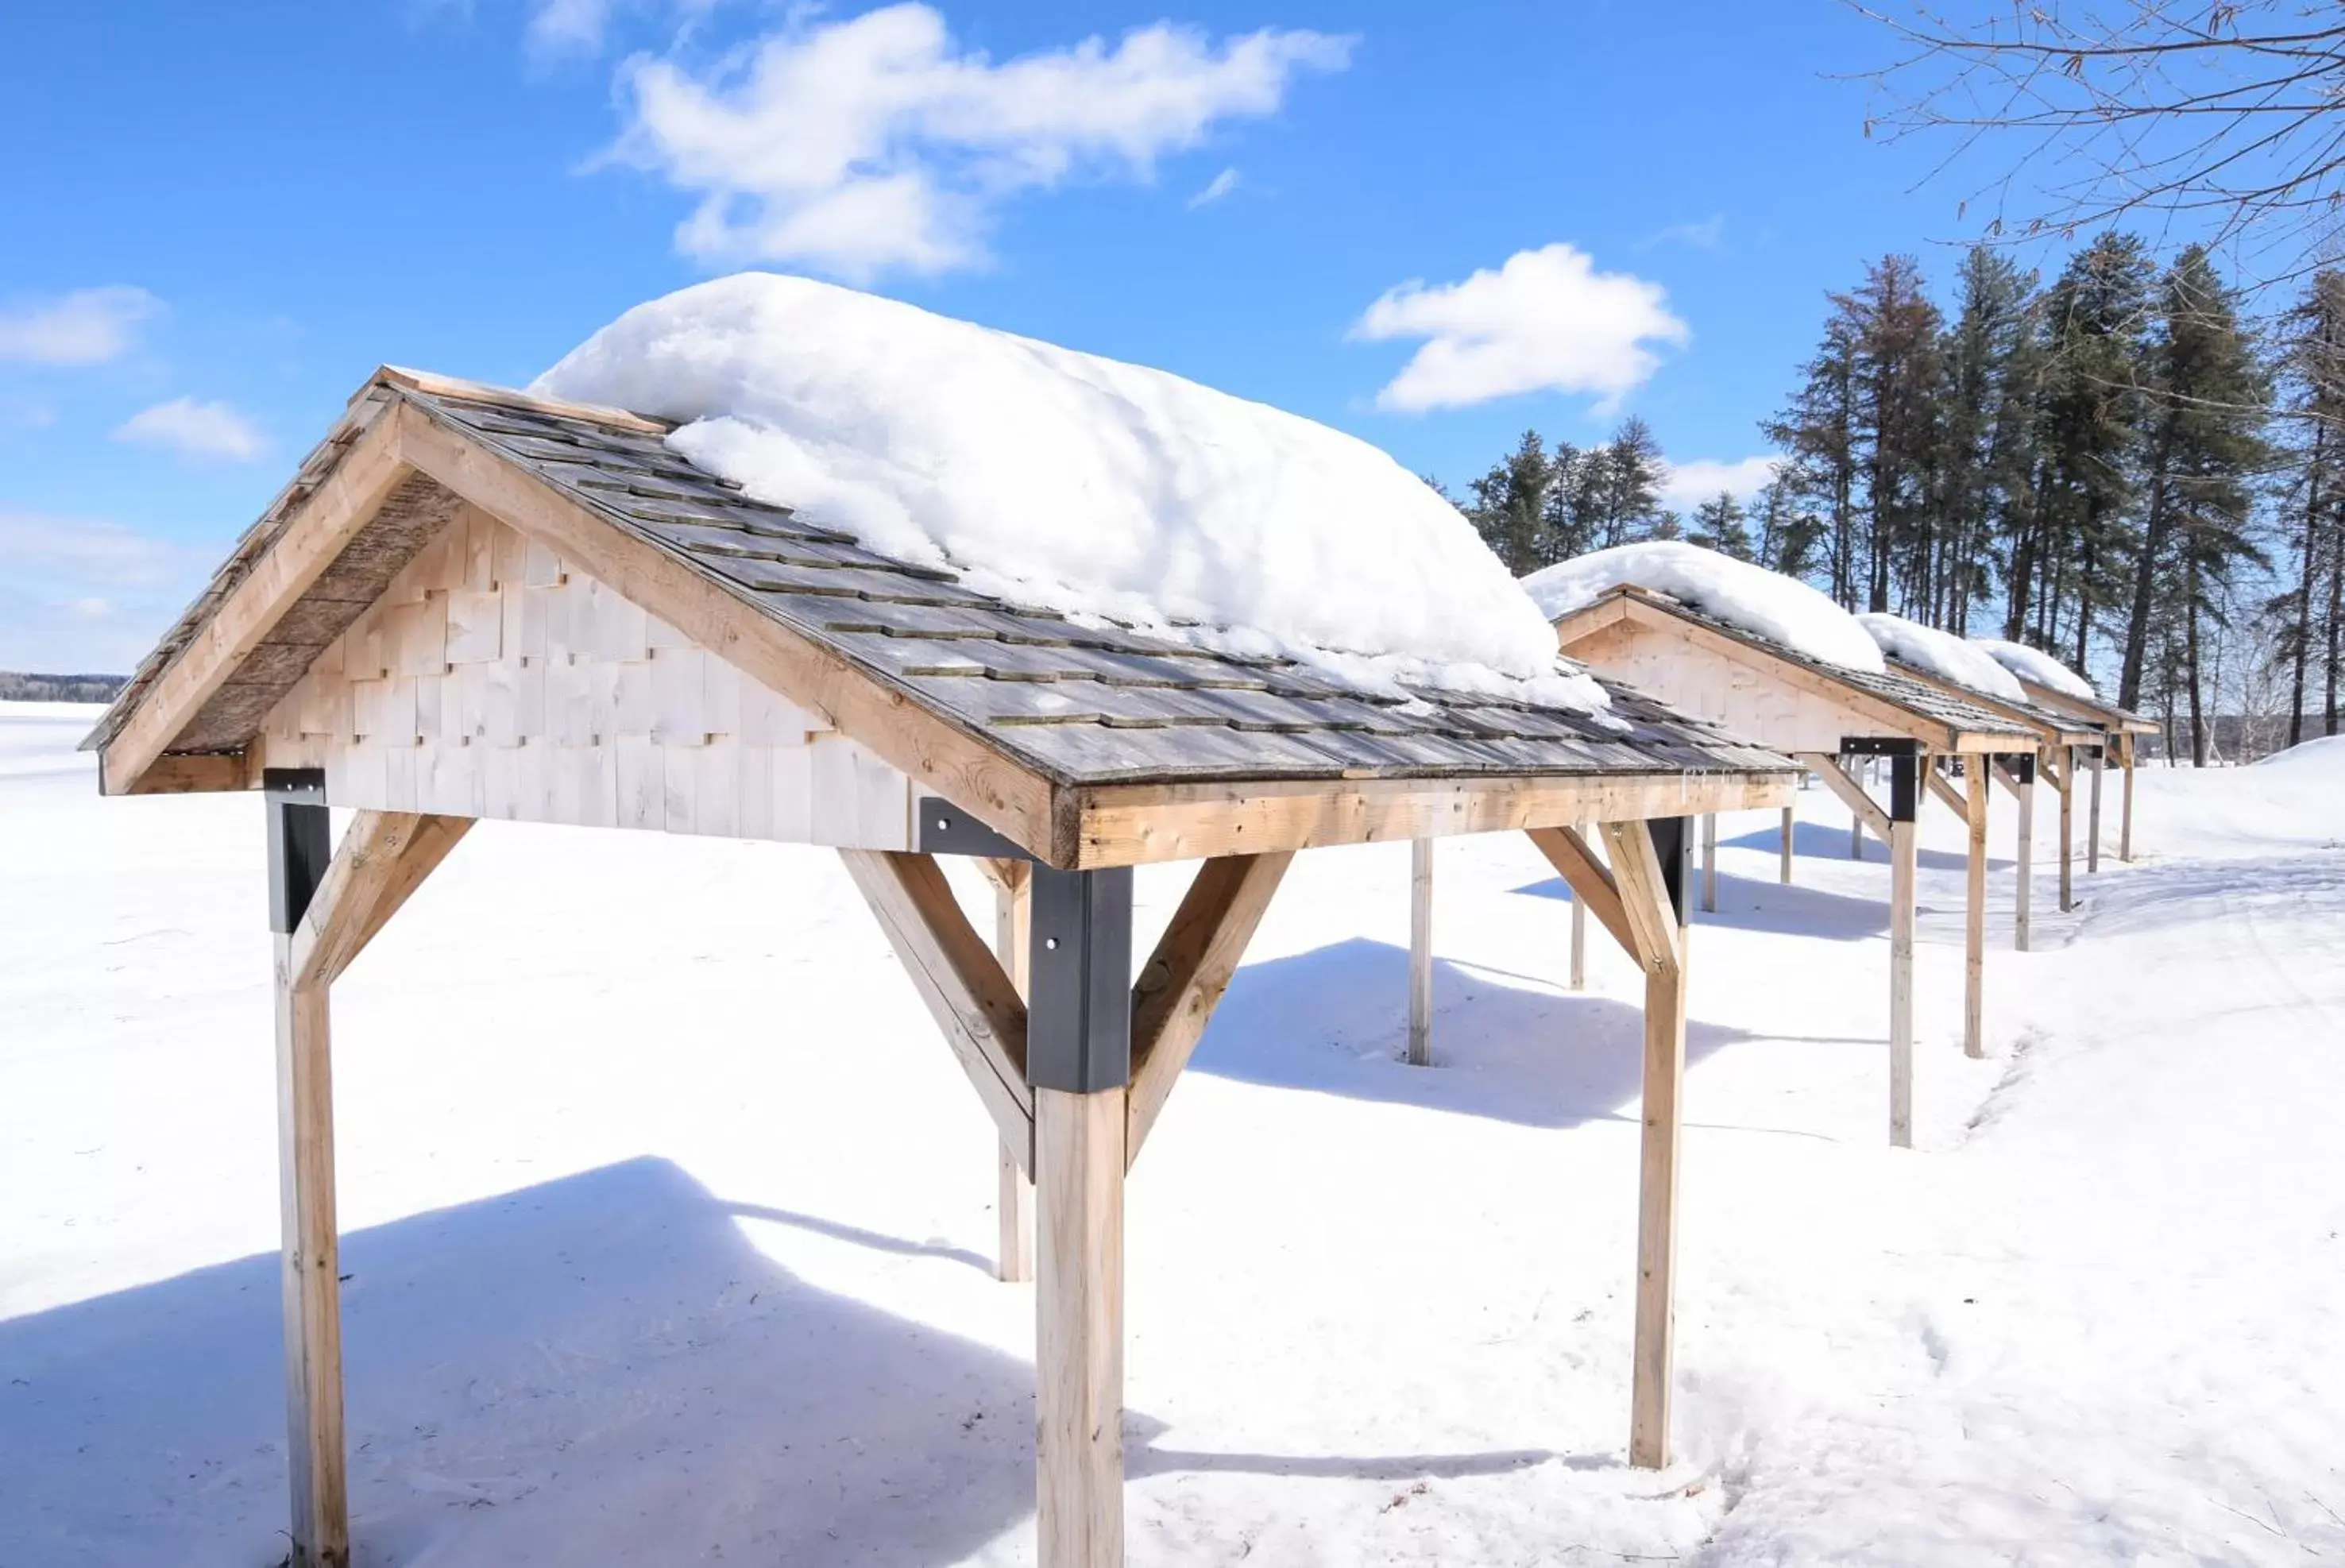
pixel 1926 702
pixel 2091 710
pixel 2062 728
pixel 1066 704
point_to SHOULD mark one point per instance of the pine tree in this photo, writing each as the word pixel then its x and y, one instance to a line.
pixel 2313 361
pixel 1816 433
pixel 1987 427
pixel 1720 525
pixel 1899 378
pixel 1787 537
pixel 1627 484
pixel 1509 508
pixel 2208 399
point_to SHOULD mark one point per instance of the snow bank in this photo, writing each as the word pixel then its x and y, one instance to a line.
pixel 1943 655
pixel 1076 483
pixel 1774 606
pixel 2307 758
pixel 2033 665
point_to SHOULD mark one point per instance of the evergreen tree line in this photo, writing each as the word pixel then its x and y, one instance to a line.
pixel 2118 468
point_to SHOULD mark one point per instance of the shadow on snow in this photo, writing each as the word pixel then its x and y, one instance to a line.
pixel 601 1367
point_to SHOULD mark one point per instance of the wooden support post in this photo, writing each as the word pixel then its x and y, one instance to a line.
pixel 2064 782
pixel 1420 952
pixel 2023 774
pixel 1015 1205
pixel 1787 846
pixel 1856 818
pixel 1709 863
pixel 1975 914
pixel 298 837
pixel 2125 819
pixel 2093 815
pixel 1904 810
pixel 1579 942
pixel 1649 867
pixel 1079 1062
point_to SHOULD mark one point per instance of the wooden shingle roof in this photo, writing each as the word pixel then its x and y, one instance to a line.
pixel 1072 703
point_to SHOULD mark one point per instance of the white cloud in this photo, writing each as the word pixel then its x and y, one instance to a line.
pixel 568 26
pixel 195 429
pixel 1222 184
pixel 78 595
pixel 1707 235
pixel 1544 320
pixel 1689 484
pixel 87 326
pixel 876 143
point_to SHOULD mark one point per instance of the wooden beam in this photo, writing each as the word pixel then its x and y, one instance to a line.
pixel 1080 1158
pixel 965 989
pixel 2093 813
pixel 1013 886
pixel 1591 886
pixel 383 857
pixel 1974 917
pixel 1420 952
pixel 1654 926
pixel 193 772
pixel 2021 933
pixel 2064 778
pixel 1645 897
pixel 1130 824
pixel 1184 977
pixel 1903 855
pixel 1946 791
pixel 344 502
pixel 310 1272
pixel 1851 793
pixel 2125 822
pixel 891 723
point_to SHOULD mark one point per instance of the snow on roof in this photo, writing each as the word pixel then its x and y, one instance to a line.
pixel 2033 664
pixel 1782 609
pixel 1075 483
pixel 1943 655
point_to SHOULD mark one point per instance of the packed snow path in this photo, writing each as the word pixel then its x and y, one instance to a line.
pixel 635 1276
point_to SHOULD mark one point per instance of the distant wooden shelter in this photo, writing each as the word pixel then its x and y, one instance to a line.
pixel 472 603
pixel 2120 733
pixel 1778 697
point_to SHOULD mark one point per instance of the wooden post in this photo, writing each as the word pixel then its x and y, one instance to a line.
pixel 1578 944
pixel 1078 1065
pixel 1015 1205
pixel 2125 820
pixel 1709 863
pixel 1079 1160
pixel 1904 810
pixel 2093 815
pixel 2024 772
pixel 1787 846
pixel 1974 913
pixel 1856 821
pixel 1648 865
pixel 298 839
pixel 1420 952
pixel 2065 784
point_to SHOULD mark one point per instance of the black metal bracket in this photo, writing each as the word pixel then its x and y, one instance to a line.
pixel 1672 846
pixel 943 828
pixel 1078 979
pixel 1904 787
pixel 300 842
pixel 1880 746
pixel 2022 766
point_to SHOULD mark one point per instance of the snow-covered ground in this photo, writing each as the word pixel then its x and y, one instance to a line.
pixel 669 1216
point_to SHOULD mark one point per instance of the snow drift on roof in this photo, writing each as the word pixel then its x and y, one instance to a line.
pixel 1070 482
pixel 1782 609
pixel 2033 664
pixel 1943 655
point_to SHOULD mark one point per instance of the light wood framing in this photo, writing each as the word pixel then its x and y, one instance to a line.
pixel 1013 882
pixel 1591 884
pixel 1852 794
pixel 1903 851
pixel 967 991
pixel 311 1271
pixel 1184 977
pixel 1420 951
pixel 1080 1159
pixel 1975 913
pixel 383 857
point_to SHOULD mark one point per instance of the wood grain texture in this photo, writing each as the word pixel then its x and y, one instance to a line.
pixel 1013 884
pixel 1080 1159
pixel 1590 882
pixel 1866 810
pixel 382 858
pixel 2022 932
pixel 1975 916
pixel 1903 857
pixel 1183 981
pixel 310 1271
pixel 1420 951
pixel 957 977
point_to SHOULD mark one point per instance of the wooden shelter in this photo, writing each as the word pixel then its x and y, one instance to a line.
pixel 1780 698
pixel 2120 731
pixel 475 603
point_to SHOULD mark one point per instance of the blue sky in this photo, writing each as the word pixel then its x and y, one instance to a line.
pixel 218 220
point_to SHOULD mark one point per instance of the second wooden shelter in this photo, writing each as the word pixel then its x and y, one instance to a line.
pixel 1826 715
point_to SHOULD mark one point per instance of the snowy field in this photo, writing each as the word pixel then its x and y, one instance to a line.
pixel 669 1223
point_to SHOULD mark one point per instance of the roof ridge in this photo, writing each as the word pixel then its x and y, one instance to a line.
pixel 433 384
